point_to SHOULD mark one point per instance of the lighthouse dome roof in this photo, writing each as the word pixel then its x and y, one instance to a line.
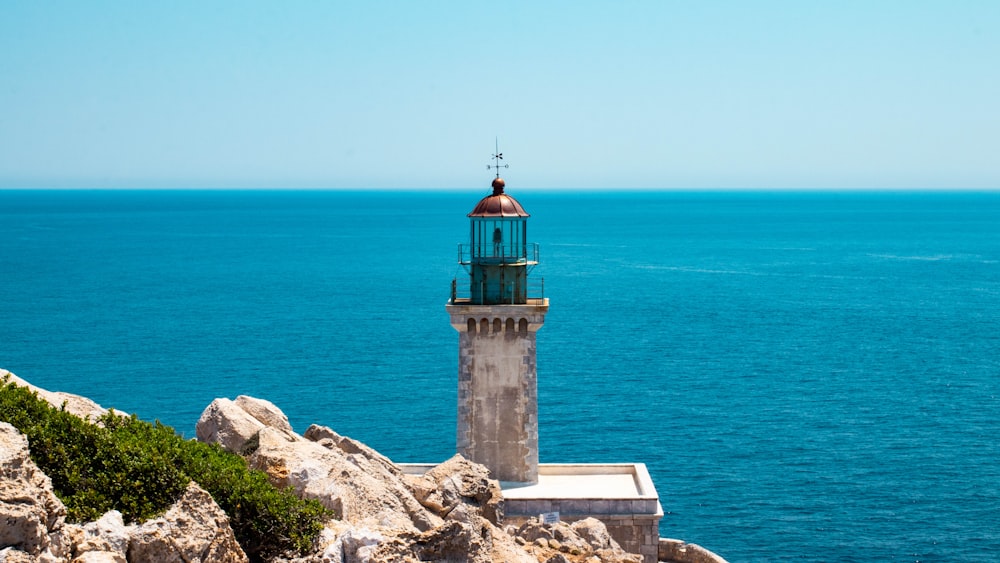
pixel 498 204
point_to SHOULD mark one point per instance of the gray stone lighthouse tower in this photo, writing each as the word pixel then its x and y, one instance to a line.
pixel 496 321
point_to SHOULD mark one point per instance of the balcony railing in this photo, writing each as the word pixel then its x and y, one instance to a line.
pixel 462 292
pixel 526 254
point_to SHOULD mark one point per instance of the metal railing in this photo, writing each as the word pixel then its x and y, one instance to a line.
pixel 498 254
pixel 462 293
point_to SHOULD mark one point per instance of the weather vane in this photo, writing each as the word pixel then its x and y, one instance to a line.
pixel 497 156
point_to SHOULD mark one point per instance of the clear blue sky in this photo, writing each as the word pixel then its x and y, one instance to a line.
pixel 659 94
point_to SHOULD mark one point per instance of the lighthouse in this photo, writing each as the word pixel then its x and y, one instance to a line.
pixel 497 314
pixel 497 310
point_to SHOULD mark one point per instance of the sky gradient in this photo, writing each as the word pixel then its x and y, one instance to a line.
pixel 643 95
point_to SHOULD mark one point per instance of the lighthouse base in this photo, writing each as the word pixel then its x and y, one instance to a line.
pixel 621 495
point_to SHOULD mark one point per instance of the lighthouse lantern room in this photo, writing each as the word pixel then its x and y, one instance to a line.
pixel 498 256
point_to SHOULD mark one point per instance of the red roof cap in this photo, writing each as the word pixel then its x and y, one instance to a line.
pixel 499 204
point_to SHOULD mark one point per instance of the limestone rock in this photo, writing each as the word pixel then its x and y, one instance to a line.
pixel 65 541
pixel 478 542
pixel 341 542
pixel 105 539
pixel 330 544
pixel 361 490
pixel 594 532
pixel 462 493
pixel 359 543
pixel 265 412
pixel 328 438
pixel 194 530
pixel 506 548
pixel 11 555
pixel 677 551
pixel 585 540
pixel 453 541
pixel 235 424
pixel 29 509
pixel 223 422
pixel 456 482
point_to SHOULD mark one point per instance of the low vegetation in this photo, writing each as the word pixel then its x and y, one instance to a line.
pixel 140 469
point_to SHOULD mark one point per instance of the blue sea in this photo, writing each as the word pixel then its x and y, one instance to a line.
pixel 809 377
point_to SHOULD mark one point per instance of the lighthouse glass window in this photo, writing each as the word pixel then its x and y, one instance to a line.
pixel 499 238
pixel 506 239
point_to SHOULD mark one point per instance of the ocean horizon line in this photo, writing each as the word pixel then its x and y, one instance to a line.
pixel 529 189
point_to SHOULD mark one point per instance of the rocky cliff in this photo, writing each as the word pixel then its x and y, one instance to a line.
pixel 452 513
pixel 33 525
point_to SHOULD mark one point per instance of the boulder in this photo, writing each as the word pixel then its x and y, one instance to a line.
pixel 459 482
pixel 106 539
pixel 559 536
pixel 225 423
pixel 330 439
pixel 506 548
pixel 330 543
pixel 478 542
pixel 452 541
pixel 341 542
pixel 585 540
pixel 358 544
pixel 678 551
pixel 361 490
pixel 65 541
pixel 265 412
pixel 29 509
pixel 460 492
pixel 193 530
pixel 594 532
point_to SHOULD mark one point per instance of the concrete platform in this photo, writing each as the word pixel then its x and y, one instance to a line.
pixel 574 489
pixel 575 486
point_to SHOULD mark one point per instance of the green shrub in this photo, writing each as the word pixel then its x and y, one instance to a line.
pixel 140 469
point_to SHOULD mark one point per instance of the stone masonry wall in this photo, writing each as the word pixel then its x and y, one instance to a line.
pixel 497 388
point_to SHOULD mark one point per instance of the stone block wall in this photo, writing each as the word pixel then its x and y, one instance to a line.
pixel 497 387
